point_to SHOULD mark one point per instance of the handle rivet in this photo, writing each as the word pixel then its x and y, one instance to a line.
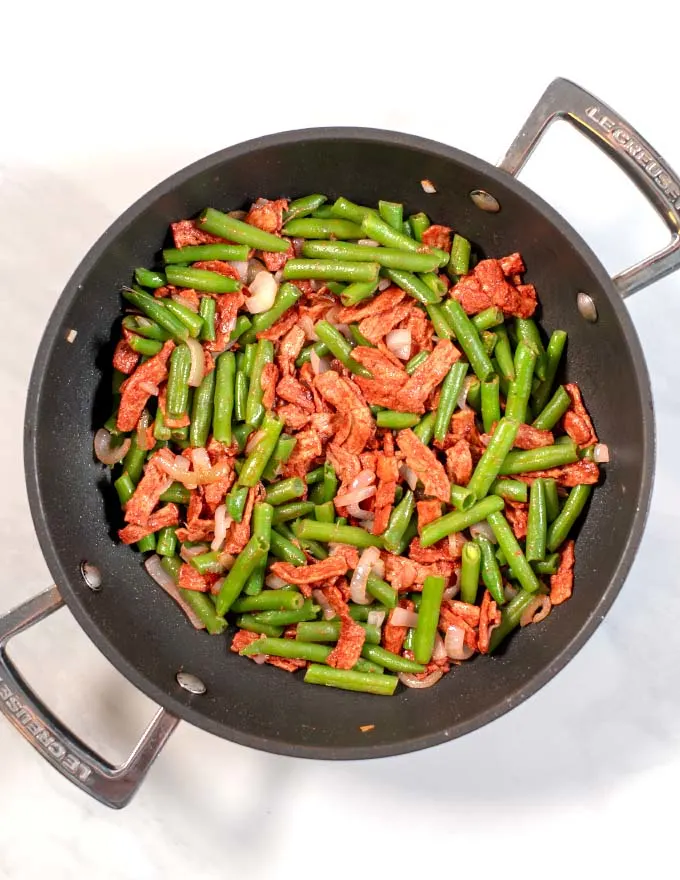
pixel 190 683
pixel 485 201
pixel 586 307
pixel 91 575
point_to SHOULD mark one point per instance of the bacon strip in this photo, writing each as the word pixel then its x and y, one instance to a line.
pixel 562 583
pixel 316 573
pixel 427 467
pixel 140 386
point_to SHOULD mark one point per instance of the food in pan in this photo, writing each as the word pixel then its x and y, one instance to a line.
pixel 341 431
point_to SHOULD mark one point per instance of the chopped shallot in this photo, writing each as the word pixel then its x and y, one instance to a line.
pixel 601 453
pixel 274 582
pixel 399 343
pixel 408 474
pixel 404 617
pixel 222 523
pixel 197 362
pixel 323 603
pixel 105 452
pixel 263 289
pixel 376 618
pixel 357 585
pixel 355 496
pixel 164 580
pixel 188 553
pixel 412 681
pixel 319 364
pixel 484 529
pixel 536 611
pixel 428 186
pixel 456 649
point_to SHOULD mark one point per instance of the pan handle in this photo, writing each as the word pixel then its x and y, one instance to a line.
pixel 631 152
pixel 112 786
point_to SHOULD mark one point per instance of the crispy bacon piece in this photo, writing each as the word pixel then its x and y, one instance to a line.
pixel 238 534
pixel 513 264
pixel 348 648
pixel 197 529
pixel 387 470
pixel 461 615
pixel 405 574
pixel 166 516
pixel 267 215
pixel 385 302
pixel 439 552
pixel 315 573
pixel 290 347
pixel 462 427
pixel 242 638
pixel 226 310
pixel 275 260
pixel 529 437
pixel 294 392
pixel 425 464
pixel 487 286
pixel 270 374
pixel 376 327
pixel 562 583
pixel 347 465
pixel 517 514
pixel 140 386
pixel 214 493
pixel 389 376
pixel 185 233
pixel 459 462
pixel 393 636
pixel 527 300
pixel 188 294
pixel 293 417
pixel 148 492
pixel 124 358
pixel 437 237
pixel 419 326
pixel 281 327
pixel 347 552
pixel 288 664
pixel 190 579
pixel 427 376
pixel 491 279
pixel 470 295
pixel 469 613
pixel 489 619
pixel 577 422
pixel 582 472
pixel 221 267
pixel 427 512
pixel 307 449
pixel 358 427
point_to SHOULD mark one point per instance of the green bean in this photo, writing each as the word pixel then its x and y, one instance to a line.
pixel 340 347
pixel 236 502
pixel 488 318
pixel 469 572
pixel 547 566
pixel 389 660
pixel 347 210
pixel 133 463
pixel 250 623
pixel 438 287
pixel 392 213
pixel 147 278
pixel 334 270
pixel 503 354
pixel 262 527
pixel 450 391
pixel 256 461
pixel 460 255
pixel 419 223
pixel 500 557
pixel 416 361
pixel 468 338
pixel 264 354
pixel 147 544
pixel 143 326
pixel 361 612
pixel 517 561
pixel 520 461
pixel 200 252
pixel 305 355
pixel 326 489
pixel 409 534
pixel 303 206
pixel 207 563
pixel 510 617
pixel 491 573
pixel 160 429
pixel 376 228
pixel 357 292
pixel 336 534
pixel 177 398
pixel 285 550
pixel 391 258
pixel 520 387
pixel 269 600
pixel 412 285
pixel 537 523
pixel 554 350
pixel 316 475
pixel 201 279
pixel 308 611
pixel 192 321
pixel 462 498
pixel 292 510
pixel 241 327
pixel 240 396
pixel 382 591
pixel 389 418
pixel 311 227
pixel 223 397
pixel 489 465
pixel 204 609
pixel 424 430
pixel 282 452
pixel 206 311
pixel 458 520
pixel 217 223
pixel 553 411
pixel 428 618
pixel 285 490
pixel 349 680
pixel 324 512
pixel 439 322
pixel 146 347
pixel 157 312
pixel 176 494
pixel 491 406
pixel 358 336
pixel 527 332
pixel 511 490
pixel 488 339
pixel 571 510
pixel 324 212
pixel 235 580
pixel 291 648
pixel 124 487
pixel 313 548
pixel 552 501
pixel 202 411
pixel 286 297
pixel 399 519
pixel 166 542
pixel 329 631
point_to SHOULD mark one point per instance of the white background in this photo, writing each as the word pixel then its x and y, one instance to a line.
pixel 99 103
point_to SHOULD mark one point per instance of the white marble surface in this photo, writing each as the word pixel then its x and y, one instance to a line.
pixel 95 111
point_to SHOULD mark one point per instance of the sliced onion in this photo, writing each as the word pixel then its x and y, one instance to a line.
pixel 254 266
pixel 438 649
pixel 259 658
pixel 428 186
pixel 411 681
pixel 461 403
pixel 164 580
pixel 188 553
pixel 332 318
pixel 451 592
pixel 307 325
pixel 366 522
pixel 184 301
pixel 326 607
pixel 509 592
pixel 197 362
pixel 368 242
pixel 227 560
pixel 456 543
pixel 536 611
pixel 484 529
pixel 200 459
pixel 263 289
pixel 455 646
pixel 238 215
pixel 366 477
pixel 105 452
pixel 319 364
pixel 241 267
pixel 217 586
pixel 408 474
pixel 375 618
pixel 399 343
pixel 357 585
pixel 601 453
pixel 379 569
pixel 142 425
pixel 298 244
pixel 222 523
pixel 355 496
pixel 384 283
pixel 404 617
pixel 274 582
pixel 253 440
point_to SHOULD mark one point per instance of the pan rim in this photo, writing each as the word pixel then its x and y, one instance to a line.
pixel 179 703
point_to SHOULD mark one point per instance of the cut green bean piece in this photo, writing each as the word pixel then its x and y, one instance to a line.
pixel 488 339
pixel 224 396
pixel 439 322
pixel 489 465
pixel 145 327
pixel 458 520
pixel 389 660
pixel 412 285
pixel 571 510
pixel 376 228
pixel 314 228
pixel 286 297
pixel 382 591
pixel 241 327
pixel 192 321
pixel 391 258
pixel 217 223
pixel 150 279
pixel 147 544
pixel 256 462
pixel 511 490
pixel 240 396
pixel 510 617
pixel 295 650
pixel 314 476
pixel 416 361
pixel 282 452
pixel 324 512
pixel 284 617
pixel 468 338
pixel 349 680
pixel 201 279
pixel 252 624
pixel 552 501
pixel 392 213
pixel 124 487
pixel 526 331
pixel 204 609
pixel 334 270
pixel 329 631
pixel 177 398
pixel 428 618
pixel 389 418
pixel 462 498
pixel 554 350
pixel 357 292
pixel 516 559
pixel 206 311
pixel 176 494
pixel 491 405
pixel 202 411
pixel 503 354
pixel 419 223
pixel 157 312
pixel 146 347
pixel 399 520
pixel 553 411
pixel 424 430
pixel 469 573
pixel 520 387
pixel 491 573
pixel 450 391
pixel 285 550
pixel 460 255
pixel 264 354
pixel 207 563
pixel 340 348
pixel 537 523
pixel 487 319
pixel 336 534
pixel 235 580
pixel 520 461
pixel 292 510
pixel 200 252
pixel 303 206
pixel 326 489
pixel 358 336
pixel 347 210
pixel 285 490
pixel 361 612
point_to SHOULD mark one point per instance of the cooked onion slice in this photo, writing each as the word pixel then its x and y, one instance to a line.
pixel 438 649
pixel 197 362
pixel 536 611
pixel 404 617
pixel 376 618
pixel 188 553
pixel 399 343
pixel 428 186
pixel 319 364
pixel 355 496
pixel 222 523
pixel 601 453
pixel 483 528
pixel 323 603
pixel 274 582
pixel 411 681
pixel 184 301
pixel 455 646
pixel 263 289
pixel 105 452
pixel 357 585
pixel 408 474
pixel 163 579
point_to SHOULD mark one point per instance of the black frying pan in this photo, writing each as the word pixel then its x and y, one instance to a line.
pixel 143 633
